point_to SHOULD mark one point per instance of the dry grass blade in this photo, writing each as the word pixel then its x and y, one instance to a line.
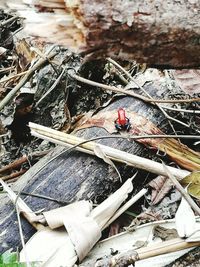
pixel 113 154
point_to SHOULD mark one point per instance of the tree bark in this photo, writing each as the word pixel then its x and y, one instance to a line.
pixel 155 32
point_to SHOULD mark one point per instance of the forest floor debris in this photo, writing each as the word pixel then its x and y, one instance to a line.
pixel 52 93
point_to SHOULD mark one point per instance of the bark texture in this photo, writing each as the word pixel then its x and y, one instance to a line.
pixel 154 32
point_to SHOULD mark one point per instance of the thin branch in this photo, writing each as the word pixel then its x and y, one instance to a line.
pixel 4 23
pixel 131 256
pixel 13 77
pixel 182 110
pixel 57 81
pixel 18 162
pixel 122 91
pixel 181 190
pixel 23 81
pixel 13 175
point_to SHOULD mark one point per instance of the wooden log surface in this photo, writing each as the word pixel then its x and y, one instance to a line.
pixel 154 32
pixel 75 176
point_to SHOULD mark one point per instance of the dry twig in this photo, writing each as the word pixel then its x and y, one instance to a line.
pixel 122 91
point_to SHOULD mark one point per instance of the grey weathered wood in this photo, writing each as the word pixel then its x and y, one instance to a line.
pixel 73 176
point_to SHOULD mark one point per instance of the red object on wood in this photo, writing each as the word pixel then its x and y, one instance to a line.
pixel 122 117
pixel 122 122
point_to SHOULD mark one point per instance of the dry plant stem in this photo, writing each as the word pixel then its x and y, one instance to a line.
pixel 51 88
pixel 27 76
pixel 145 92
pixel 4 70
pixel 18 162
pixel 127 205
pixel 182 110
pixel 160 106
pixel 122 91
pixel 13 77
pixel 8 21
pixel 21 235
pixel 130 257
pixel 113 154
pixel 62 202
pixel 13 176
pixel 182 190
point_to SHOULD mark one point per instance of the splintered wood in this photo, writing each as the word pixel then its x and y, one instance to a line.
pixel 153 32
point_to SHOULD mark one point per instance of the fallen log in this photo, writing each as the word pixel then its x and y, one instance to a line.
pixel 73 176
pixel 153 32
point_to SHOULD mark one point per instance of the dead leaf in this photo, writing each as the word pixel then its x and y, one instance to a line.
pixel 164 233
pixel 25 54
pixel 188 80
pixel 192 182
pixel 99 153
pixel 185 219
pixel 161 186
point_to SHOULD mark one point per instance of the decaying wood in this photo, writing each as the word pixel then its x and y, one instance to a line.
pixel 154 32
pixel 74 176
pixel 71 176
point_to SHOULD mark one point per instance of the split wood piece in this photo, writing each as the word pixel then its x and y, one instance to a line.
pixel 130 257
pixel 114 154
pixel 41 62
pixel 147 31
